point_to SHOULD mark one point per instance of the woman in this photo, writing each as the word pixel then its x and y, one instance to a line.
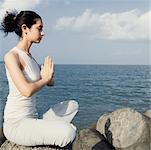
pixel 21 123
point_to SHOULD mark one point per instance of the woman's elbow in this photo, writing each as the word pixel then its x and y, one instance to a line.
pixel 27 92
pixel 27 95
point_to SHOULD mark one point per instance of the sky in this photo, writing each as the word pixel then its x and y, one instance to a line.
pixel 115 32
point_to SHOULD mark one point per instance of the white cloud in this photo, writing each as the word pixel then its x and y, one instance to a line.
pixel 7 5
pixel 129 25
pixel 130 53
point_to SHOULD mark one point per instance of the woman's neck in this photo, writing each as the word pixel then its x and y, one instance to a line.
pixel 24 45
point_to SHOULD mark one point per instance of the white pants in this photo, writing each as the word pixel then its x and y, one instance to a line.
pixel 53 129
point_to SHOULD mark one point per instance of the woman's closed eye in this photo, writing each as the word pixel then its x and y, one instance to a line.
pixel 40 29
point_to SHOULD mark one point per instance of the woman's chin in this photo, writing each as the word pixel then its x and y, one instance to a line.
pixel 38 41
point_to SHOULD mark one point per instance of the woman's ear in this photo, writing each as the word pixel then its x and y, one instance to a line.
pixel 24 28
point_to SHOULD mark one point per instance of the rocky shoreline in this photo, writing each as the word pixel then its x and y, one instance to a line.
pixel 122 129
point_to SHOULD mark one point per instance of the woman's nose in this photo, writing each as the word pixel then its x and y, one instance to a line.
pixel 42 33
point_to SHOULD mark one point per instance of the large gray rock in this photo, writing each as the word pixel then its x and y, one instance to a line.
pixel 126 129
pixel 139 146
pixel 7 145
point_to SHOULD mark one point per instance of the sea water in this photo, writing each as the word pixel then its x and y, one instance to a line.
pixel 98 89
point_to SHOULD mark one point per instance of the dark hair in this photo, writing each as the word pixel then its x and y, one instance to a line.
pixel 13 21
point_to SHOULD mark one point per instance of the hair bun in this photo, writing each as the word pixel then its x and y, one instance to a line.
pixel 14 18
pixel 8 23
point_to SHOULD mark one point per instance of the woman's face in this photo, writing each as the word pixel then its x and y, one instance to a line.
pixel 35 33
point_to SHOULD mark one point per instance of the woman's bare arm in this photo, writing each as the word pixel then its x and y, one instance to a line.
pixel 26 88
pixel 51 83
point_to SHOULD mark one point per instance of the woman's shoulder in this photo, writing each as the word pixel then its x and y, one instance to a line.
pixel 11 54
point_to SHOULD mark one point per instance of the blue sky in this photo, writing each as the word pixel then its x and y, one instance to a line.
pixel 88 31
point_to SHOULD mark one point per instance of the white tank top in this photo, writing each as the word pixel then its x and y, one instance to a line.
pixel 18 106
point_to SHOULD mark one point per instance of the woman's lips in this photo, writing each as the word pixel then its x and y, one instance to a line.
pixel 40 39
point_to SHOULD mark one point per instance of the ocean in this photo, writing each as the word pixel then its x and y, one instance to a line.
pixel 98 89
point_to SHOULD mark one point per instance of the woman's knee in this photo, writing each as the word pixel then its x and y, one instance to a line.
pixel 69 132
pixel 74 104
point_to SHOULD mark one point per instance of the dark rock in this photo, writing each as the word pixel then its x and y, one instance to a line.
pixel 2 137
pixel 90 139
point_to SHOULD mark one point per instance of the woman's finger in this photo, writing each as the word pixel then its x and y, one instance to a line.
pixel 52 66
pixel 46 61
pixel 50 61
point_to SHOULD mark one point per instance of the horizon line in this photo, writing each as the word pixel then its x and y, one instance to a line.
pixel 98 64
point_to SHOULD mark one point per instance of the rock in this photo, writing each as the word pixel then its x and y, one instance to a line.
pixel 90 139
pixel 2 137
pixel 7 145
pixel 126 129
pixel 86 140
pixel 148 113
pixel 93 126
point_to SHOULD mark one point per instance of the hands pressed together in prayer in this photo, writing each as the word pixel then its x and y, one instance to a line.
pixel 47 71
